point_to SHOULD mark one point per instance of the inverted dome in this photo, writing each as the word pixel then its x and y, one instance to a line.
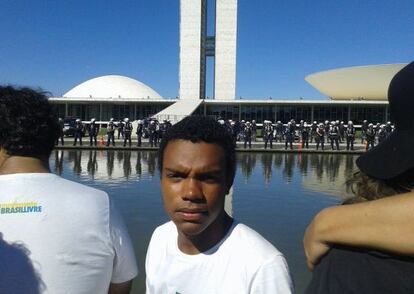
pixel 112 86
pixel 367 82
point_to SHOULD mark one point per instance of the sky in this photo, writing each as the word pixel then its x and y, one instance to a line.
pixel 58 44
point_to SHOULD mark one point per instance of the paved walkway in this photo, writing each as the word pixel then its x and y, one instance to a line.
pixel 256 147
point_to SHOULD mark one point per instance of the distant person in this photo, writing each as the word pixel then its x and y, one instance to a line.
pixel 61 134
pixel 79 129
pixel 350 136
pixel 127 131
pixel 327 128
pixel 93 132
pixel 342 129
pixel 370 137
pixel 382 134
pixel 110 132
pixel 121 128
pixel 153 133
pixel 279 131
pixel 254 130
pixel 320 136
pixel 334 135
pixel 140 132
pixel 290 134
pixel 305 135
pixel 267 134
pixel 388 128
pixel 364 128
pixel 74 237
pixel 385 225
pixel 313 127
pixel 203 250
pixel 248 133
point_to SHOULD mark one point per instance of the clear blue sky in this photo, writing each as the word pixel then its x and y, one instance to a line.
pixel 58 44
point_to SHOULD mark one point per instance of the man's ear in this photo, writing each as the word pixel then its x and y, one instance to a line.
pixel 3 155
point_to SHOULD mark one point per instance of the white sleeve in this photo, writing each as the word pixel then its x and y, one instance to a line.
pixel 273 277
pixel 125 265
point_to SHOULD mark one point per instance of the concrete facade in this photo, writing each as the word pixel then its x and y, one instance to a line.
pixel 225 58
pixel 191 26
pixel 196 45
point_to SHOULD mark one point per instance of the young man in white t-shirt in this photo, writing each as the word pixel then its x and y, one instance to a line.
pixel 56 236
pixel 204 250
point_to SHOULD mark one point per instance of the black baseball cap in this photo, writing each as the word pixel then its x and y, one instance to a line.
pixel 395 155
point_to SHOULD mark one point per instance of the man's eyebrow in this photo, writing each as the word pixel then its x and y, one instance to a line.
pixel 214 171
pixel 169 169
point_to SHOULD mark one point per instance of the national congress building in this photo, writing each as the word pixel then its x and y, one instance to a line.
pixel 353 93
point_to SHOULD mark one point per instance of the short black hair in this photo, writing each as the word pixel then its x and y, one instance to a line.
pixel 28 126
pixel 202 129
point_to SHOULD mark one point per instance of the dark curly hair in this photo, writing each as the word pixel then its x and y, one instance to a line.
pixel 28 126
pixel 202 129
pixel 366 188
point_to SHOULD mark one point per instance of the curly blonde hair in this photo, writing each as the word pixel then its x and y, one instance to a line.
pixel 366 188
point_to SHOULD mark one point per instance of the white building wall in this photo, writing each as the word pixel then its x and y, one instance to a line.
pixel 190 48
pixel 225 59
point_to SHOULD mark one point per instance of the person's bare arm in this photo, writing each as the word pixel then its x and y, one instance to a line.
pixel 121 288
pixel 385 224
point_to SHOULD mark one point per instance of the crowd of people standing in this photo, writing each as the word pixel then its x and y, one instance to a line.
pixel 331 133
pixel 123 129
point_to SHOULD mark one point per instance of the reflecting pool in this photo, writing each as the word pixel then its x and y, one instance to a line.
pixel 276 194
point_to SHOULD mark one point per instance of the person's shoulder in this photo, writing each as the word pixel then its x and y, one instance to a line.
pixel 161 237
pixel 352 269
pixel 164 230
pixel 252 243
pixel 78 189
pixel 88 200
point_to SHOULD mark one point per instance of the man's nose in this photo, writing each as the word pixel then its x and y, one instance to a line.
pixel 193 190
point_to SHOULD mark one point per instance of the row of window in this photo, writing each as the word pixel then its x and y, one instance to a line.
pixel 106 112
pixel 356 113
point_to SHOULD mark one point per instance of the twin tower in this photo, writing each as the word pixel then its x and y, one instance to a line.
pixel 196 45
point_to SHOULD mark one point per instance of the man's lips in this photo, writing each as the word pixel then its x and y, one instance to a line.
pixel 191 214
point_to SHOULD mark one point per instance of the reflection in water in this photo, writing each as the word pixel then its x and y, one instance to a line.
pixel 76 158
pixel 138 165
pixel 288 168
pixel 110 162
pixel 319 172
pixel 260 186
pixel 127 164
pixel 92 165
pixel 59 162
pixel 303 164
pixel 247 163
pixel 266 159
pixel 152 163
pixel 120 165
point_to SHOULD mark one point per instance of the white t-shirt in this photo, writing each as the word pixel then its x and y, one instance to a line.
pixel 243 262
pixel 61 236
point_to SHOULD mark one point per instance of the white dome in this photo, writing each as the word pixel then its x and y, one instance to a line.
pixel 112 86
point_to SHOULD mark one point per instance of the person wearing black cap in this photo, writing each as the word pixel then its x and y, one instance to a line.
pixel 386 224
pixel 370 137
pixel 350 136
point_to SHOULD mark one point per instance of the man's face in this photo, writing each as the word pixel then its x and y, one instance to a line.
pixel 194 185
